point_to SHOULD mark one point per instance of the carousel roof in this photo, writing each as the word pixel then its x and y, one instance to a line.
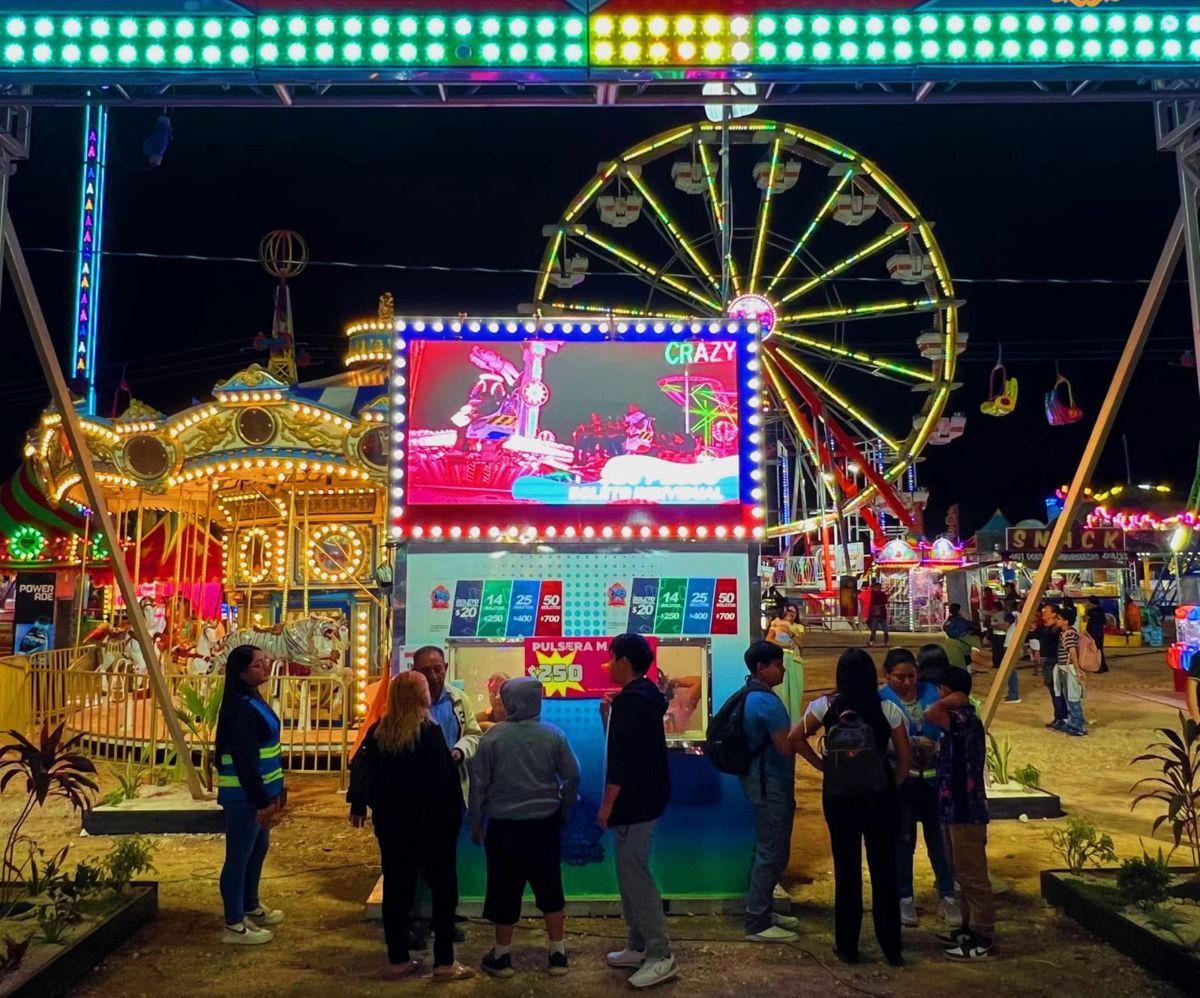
pixel 22 501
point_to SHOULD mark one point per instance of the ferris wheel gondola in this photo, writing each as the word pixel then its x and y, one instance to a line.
pixel 770 220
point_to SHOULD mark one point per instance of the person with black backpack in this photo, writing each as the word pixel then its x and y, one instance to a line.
pixel 769 782
pixel 859 798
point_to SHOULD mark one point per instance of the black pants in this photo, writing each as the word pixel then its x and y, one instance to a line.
pixel 851 821
pixel 404 859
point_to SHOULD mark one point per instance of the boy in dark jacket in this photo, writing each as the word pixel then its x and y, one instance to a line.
pixel 637 786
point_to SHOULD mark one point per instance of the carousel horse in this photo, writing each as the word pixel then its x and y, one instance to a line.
pixel 297 649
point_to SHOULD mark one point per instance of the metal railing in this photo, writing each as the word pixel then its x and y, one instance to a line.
pixel 118 717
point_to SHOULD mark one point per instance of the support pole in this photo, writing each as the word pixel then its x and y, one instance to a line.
pixel 32 309
pixel 1159 282
pixel 1191 232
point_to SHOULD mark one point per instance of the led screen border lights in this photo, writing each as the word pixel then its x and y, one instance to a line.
pixel 366 40
pixel 521 523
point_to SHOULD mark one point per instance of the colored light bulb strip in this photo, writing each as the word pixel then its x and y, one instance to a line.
pixel 896 231
pixel 549 265
pixel 710 178
pixel 891 38
pixel 668 223
pixel 615 310
pixel 835 350
pixel 837 398
pixel 764 215
pixel 806 235
pixel 653 272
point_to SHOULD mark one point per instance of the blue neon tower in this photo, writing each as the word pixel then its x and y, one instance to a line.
pixel 91 234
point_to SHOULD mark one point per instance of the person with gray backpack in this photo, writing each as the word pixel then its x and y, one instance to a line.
pixel 864 752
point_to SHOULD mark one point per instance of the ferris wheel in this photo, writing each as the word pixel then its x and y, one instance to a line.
pixel 768 220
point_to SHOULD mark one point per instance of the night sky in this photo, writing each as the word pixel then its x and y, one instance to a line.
pixel 1015 192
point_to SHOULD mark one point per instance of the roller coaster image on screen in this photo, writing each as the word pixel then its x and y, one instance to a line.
pixel 573 424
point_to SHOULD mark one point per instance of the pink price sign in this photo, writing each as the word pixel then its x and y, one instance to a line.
pixel 575 668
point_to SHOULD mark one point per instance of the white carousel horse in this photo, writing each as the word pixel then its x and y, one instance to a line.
pixel 313 644
pixel 317 643
pixel 199 661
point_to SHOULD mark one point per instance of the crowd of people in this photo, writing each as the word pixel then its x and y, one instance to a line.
pixel 892 756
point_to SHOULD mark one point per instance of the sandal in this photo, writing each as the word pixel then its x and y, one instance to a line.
pixel 398 971
pixel 454 972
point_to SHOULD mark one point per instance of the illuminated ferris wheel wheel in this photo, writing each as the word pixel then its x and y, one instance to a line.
pixel 774 221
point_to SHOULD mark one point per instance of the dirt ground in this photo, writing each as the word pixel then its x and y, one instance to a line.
pixel 320 870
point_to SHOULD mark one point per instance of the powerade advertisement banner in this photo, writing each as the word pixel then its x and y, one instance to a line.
pixel 574 668
pixel 518 594
pixel 33 613
pixel 552 423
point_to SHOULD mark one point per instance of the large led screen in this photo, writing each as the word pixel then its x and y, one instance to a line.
pixel 554 423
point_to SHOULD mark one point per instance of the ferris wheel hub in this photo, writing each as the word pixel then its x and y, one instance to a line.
pixel 756 307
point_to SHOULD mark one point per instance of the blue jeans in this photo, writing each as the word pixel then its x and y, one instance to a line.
pixel 1014 691
pixel 246 844
pixel 919 802
pixel 773 817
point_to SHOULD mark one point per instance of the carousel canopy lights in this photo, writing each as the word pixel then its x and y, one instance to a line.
pixel 370 41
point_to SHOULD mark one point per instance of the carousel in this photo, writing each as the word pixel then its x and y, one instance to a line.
pixel 254 517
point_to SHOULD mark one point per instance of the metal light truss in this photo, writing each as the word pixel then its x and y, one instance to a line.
pixel 768 44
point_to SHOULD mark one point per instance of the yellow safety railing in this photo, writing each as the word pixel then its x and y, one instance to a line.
pixel 117 715
pixel 14 693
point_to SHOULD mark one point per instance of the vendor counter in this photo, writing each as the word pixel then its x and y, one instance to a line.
pixel 704 841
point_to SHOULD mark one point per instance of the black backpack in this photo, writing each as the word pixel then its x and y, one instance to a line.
pixel 727 746
pixel 854 765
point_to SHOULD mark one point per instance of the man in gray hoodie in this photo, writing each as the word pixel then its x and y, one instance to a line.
pixel 524 777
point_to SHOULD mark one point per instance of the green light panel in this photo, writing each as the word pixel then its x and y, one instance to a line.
pixel 65 41
pixel 976 38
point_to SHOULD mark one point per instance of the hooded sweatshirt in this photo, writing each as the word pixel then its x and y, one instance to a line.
pixel 637 753
pixel 524 768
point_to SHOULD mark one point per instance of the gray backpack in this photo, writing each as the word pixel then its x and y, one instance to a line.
pixel 854 764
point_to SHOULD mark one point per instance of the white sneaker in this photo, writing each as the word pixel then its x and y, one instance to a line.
pixel 785 921
pixel 654 972
pixel 262 915
pixel 951 912
pixel 245 934
pixel 626 958
pixel 773 934
pixel 908 913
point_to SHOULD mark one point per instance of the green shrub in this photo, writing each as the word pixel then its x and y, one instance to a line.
pixel 129 856
pixel 1028 776
pixel 1079 844
pixel 1145 882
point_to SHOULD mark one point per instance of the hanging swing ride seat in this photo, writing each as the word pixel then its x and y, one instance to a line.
pixel 1061 409
pixel 619 210
pixel 691 177
pixel 855 208
pixel 1002 393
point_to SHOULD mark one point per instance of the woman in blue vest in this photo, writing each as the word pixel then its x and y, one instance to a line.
pixel 918 789
pixel 250 789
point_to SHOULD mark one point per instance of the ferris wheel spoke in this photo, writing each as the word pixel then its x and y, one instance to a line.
pixel 857 358
pixel 827 391
pixel 764 215
pixel 806 235
pixel 871 310
pixel 653 276
pixel 894 232
pixel 665 220
pixel 804 428
pixel 718 214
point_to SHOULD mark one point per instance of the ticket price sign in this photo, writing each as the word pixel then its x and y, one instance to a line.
pixel 575 668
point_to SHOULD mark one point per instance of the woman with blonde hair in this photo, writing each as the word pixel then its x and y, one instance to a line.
pixel 403 772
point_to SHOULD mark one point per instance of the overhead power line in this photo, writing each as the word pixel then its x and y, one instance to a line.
pixel 478 269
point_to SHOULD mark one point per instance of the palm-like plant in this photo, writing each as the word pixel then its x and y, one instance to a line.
pixel 50 768
pixel 199 707
pixel 1178 788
